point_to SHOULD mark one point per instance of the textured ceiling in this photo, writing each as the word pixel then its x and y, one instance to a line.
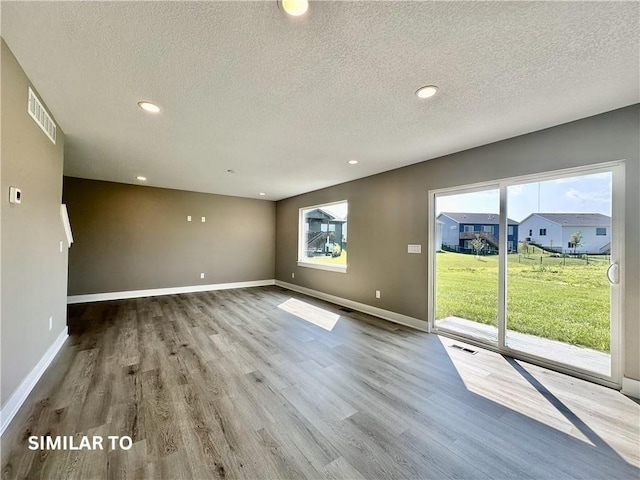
pixel 285 103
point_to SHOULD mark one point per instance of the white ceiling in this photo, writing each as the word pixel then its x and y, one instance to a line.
pixel 285 103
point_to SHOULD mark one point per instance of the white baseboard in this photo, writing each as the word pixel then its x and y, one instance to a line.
pixel 361 307
pixel 155 292
pixel 631 387
pixel 22 392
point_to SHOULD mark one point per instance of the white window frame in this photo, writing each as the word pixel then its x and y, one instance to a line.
pixel 468 228
pixel 601 234
pixel 301 240
pixel 541 234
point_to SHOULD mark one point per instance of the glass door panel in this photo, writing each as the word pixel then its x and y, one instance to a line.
pixel 557 291
pixel 466 263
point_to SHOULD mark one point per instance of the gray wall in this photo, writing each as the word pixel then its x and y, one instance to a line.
pixel 389 211
pixel 34 272
pixel 130 237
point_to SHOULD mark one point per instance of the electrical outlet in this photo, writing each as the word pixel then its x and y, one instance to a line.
pixel 50 323
pixel 377 293
pixel 293 275
pixel 202 275
pixel 188 218
pixel 203 219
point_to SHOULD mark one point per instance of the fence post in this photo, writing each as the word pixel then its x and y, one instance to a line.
pixel 540 259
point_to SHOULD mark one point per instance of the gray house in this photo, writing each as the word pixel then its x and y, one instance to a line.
pixel 322 230
pixel 459 229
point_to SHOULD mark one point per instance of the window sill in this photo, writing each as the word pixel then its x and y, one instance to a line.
pixel 323 266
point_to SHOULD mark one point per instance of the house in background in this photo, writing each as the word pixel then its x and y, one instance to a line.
pixel 459 229
pixel 553 231
pixel 439 225
pixel 323 229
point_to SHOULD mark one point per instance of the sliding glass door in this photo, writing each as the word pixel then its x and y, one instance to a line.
pixel 466 263
pixel 530 267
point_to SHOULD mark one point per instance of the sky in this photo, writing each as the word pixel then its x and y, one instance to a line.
pixel 338 209
pixel 577 194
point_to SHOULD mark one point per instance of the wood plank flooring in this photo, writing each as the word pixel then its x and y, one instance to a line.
pixel 227 385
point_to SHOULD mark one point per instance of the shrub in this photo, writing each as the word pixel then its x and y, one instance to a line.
pixel 337 250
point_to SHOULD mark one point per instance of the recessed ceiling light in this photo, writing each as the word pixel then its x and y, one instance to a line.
pixel 427 92
pixel 231 171
pixel 352 162
pixel 149 107
pixel 141 178
pixel 295 8
pixel 262 194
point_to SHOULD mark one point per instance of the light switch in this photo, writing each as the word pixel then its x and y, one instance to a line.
pixel 203 219
pixel 414 248
pixel 188 218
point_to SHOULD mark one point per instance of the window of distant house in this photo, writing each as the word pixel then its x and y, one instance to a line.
pixel 510 230
pixel 530 232
pixel 601 231
pixel 487 228
pixel 467 228
pixel 543 232
pixel 322 236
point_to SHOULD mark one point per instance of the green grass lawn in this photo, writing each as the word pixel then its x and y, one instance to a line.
pixel 341 260
pixel 560 299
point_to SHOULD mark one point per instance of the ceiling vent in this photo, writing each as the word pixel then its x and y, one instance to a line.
pixel 40 115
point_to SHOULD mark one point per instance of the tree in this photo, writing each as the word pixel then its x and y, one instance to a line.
pixel 478 244
pixel 576 241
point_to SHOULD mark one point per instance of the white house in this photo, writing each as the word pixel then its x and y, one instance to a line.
pixel 438 235
pixel 554 231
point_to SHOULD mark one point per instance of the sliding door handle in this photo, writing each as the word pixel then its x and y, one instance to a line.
pixel 613 273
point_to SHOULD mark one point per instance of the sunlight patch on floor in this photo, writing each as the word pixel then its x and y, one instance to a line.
pixel 310 313
pixel 505 386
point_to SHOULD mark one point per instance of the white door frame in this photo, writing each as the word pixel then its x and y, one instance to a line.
pixel 617 257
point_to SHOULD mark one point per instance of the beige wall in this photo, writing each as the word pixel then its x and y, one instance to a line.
pixel 34 272
pixel 130 237
pixel 389 211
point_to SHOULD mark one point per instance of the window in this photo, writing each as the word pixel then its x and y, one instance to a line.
pixel 601 231
pixel 543 232
pixel 530 233
pixel 487 228
pixel 322 236
pixel 510 229
pixel 571 245
pixel 467 228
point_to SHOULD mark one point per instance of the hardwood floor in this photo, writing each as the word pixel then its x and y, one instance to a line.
pixel 226 384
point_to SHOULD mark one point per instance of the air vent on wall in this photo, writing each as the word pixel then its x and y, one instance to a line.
pixel 40 115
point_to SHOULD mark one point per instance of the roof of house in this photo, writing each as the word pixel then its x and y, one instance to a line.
pixel 332 217
pixel 576 219
pixel 476 218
